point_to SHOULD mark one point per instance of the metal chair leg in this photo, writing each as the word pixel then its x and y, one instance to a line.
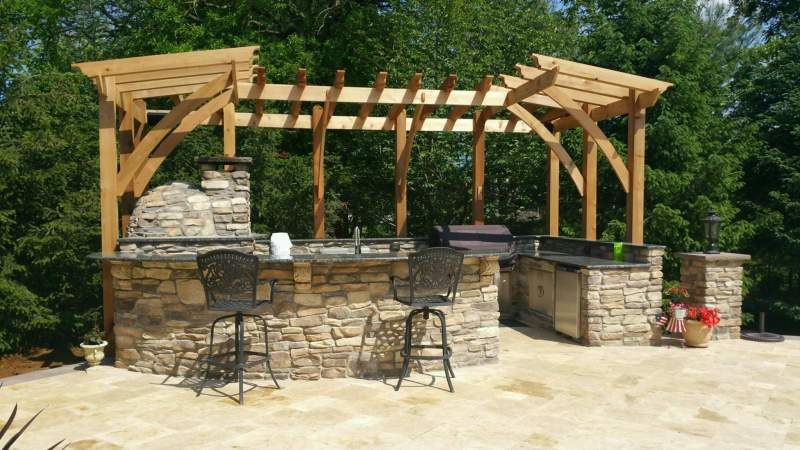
pixel 406 349
pixel 239 329
pixel 211 343
pixel 445 356
pixel 268 366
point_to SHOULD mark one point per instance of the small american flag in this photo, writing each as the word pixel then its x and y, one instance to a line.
pixel 662 320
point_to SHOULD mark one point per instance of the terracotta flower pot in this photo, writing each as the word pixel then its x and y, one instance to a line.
pixel 94 354
pixel 697 334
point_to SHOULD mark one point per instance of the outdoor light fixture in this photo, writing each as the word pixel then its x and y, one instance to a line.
pixel 711 224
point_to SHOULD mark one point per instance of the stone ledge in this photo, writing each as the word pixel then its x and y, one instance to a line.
pixel 726 257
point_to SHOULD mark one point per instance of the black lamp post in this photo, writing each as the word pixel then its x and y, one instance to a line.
pixel 711 224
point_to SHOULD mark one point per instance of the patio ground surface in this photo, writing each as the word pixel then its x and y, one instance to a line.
pixel 545 392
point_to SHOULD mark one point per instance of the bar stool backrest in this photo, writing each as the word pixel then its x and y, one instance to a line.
pixel 229 278
pixel 435 268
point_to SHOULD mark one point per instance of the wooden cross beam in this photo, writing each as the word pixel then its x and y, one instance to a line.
pixel 366 108
pixel 298 88
pixel 480 89
pixel 333 94
pixel 522 89
pixel 260 82
pixel 410 92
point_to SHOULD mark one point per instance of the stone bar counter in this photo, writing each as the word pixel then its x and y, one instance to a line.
pixel 333 315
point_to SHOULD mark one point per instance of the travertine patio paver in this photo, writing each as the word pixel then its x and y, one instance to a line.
pixel 545 392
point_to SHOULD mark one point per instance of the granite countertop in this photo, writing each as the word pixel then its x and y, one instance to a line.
pixel 335 257
pixel 581 262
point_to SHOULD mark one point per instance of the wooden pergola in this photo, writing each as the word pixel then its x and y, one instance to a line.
pixel 547 97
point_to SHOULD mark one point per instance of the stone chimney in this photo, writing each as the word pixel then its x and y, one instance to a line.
pixel 226 182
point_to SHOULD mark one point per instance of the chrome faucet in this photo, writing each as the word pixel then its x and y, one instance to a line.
pixel 357 241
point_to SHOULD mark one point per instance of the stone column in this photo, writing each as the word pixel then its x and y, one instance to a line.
pixel 716 280
pixel 226 181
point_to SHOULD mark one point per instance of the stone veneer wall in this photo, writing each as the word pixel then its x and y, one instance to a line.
pixel 716 280
pixel 621 305
pixel 328 320
pixel 172 210
pixel 228 189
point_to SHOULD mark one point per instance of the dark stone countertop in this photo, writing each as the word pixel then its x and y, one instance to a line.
pixel 581 262
pixel 321 258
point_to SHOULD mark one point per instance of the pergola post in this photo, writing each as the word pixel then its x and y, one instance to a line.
pixel 589 201
pixel 109 219
pixel 318 170
pixel 553 184
pixel 229 129
pixel 478 164
pixel 401 175
pixel 635 199
pixel 126 144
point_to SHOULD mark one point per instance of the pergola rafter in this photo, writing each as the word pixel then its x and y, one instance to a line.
pixel 547 97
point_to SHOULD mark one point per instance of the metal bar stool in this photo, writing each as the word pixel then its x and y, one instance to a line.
pixel 230 281
pixel 432 269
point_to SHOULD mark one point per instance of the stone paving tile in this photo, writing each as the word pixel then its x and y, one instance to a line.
pixel 544 393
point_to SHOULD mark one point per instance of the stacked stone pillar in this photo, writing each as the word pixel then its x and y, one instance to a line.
pixel 226 181
pixel 715 280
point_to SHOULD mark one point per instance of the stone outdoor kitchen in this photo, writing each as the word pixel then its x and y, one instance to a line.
pixel 333 313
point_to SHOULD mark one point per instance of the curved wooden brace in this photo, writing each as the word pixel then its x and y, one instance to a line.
pixel 187 125
pixel 552 142
pixel 594 131
pixel 142 151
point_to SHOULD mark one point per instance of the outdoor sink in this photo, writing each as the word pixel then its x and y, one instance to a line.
pixel 342 250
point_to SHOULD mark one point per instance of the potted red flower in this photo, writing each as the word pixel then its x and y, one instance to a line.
pixel 700 323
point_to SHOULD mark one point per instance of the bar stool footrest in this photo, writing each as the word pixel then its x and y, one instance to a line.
pixel 215 359
pixel 448 352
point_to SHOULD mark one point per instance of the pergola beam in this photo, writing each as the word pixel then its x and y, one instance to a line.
pixel 599 74
pixel 354 123
pixel 577 96
pixel 261 81
pixel 164 127
pixel 408 96
pixel 377 87
pixel 333 94
pixel 398 97
pixel 597 134
pixel 167 61
pixel 522 89
pixel 552 142
pixel 574 83
pixel 483 86
pixel 297 89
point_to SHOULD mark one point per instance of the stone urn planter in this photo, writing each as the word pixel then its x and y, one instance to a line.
pixel 697 334
pixel 94 353
pixel 94 345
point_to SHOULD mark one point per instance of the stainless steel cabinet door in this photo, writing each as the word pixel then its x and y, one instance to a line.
pixel 568 302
